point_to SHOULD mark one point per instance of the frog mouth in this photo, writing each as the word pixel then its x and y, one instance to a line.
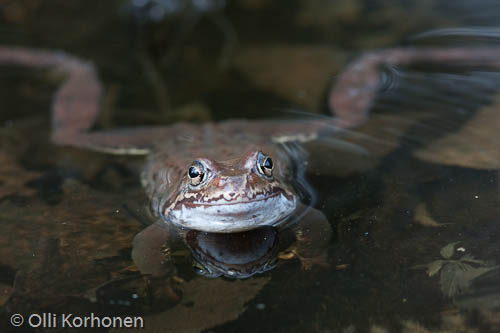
pixel 221 215
pixel 221 201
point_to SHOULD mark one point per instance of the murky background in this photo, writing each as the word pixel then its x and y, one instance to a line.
pixel 412 196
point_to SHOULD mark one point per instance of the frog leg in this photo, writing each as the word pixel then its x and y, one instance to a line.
pixel 355 90
pixel 76 102
pixel 356 87
pixel 151 248
pixel 313 233
pixel 76 105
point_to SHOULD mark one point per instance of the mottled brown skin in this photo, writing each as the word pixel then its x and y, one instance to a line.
pixel 173 148
pixel 234 178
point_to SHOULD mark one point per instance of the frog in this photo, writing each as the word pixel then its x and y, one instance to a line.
pixel 227 176
pixel 231 176
pixel 235 175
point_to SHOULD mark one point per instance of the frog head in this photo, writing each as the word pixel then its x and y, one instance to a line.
pixel 231 195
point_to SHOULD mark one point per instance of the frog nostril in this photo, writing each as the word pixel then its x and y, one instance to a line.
pixel 232 194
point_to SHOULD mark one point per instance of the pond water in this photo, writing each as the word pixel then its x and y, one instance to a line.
pixel 412 196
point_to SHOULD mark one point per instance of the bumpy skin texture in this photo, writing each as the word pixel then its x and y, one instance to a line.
pixel 235 195
pixel 227 146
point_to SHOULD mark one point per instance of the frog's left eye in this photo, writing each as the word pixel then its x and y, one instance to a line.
pixel 196 173
pixel 265 165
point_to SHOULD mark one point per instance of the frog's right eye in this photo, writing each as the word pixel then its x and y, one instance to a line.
pixel 196 173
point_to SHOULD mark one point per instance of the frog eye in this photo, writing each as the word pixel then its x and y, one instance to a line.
pixel 265 165
pixel 196 173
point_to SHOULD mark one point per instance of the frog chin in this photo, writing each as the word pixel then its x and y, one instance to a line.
pixel 226 217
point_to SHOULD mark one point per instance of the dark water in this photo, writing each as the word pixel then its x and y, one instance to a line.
pixel 412 197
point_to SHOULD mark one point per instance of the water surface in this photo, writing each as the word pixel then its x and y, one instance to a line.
pixel 412 196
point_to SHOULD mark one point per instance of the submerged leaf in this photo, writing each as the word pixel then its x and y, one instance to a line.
pixel 472 272
pixel 456 277
pixel 423 217
pixel 448 250
pixel 434 267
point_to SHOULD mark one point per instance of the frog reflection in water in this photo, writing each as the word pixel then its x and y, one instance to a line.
pixel 231 176
pixel 235 255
